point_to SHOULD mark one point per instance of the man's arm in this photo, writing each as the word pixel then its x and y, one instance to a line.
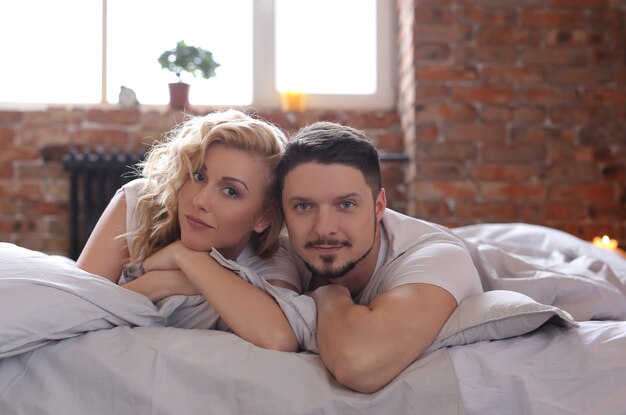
pixel 366 347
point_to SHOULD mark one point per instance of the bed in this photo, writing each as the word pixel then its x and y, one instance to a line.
pixel 548 336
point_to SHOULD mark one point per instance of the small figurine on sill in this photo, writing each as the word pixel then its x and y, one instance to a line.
pixel 128 98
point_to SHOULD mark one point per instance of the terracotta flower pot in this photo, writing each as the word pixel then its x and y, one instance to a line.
pixel 179 95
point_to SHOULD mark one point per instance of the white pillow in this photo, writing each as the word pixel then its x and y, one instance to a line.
pixel 497 314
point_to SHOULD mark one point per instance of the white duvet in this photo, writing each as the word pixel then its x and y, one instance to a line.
pixel 81 344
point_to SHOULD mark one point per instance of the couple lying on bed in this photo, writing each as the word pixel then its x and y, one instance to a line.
pixel 384 284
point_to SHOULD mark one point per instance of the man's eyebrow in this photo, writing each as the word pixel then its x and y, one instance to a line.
pixel 234 179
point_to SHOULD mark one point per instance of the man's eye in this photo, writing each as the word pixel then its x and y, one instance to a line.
pixel 302 206
pixel 230 192
pixel 346 204
pixel 198 176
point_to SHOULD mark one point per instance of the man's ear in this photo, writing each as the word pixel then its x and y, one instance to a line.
pixel 263 222
pixel 381 204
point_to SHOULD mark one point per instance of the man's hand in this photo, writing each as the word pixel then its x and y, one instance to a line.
pixel 315 283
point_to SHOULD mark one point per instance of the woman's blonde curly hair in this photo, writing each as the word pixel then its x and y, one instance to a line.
pixel 169 163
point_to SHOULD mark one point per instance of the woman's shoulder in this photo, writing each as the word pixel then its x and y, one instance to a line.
pixel 280 266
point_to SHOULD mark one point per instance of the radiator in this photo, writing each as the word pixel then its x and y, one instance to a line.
pixel 94 178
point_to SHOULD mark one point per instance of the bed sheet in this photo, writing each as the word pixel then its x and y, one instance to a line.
pixel 553 371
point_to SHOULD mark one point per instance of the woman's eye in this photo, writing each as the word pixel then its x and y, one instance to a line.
pixel 230 192
pixel 198 176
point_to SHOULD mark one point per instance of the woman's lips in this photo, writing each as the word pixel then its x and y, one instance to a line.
pixel 197 223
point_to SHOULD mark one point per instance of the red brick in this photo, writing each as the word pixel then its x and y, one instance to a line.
pixel 620 76
pixel 502 55
pixel 10 117
pixel 504 172
pixel 114 116
pixel 567 38
pixel 433 15
pixel 106 138
pixel 474 132
pixel 388 142
pixel 538 134
pixel 428 190
pixel 615 172
pixel 447 151
pixel 441 33
pixel 490 211
pixel 577 115
pixel 445 73
pixel 552 18
pixel 500 36
pixel 42 135
pixel 19 153
pixel 426 132
pixel 566 152
pixel 607 211
pixel 568 211
pixel 430 208
pixel 573 172
pixel 579 76
pixel 431 93
pixel 512 191
pixel 6 136
pixel 512 75
pixel 483 94
pixel 555 56
pixel 605 96
pixel 548 95
pixel 6 170
pixel 490 16
pixel 431 52
pixel 607 56
pixel 602 134
pixel 518 152
pixel 373 119
pixel 526 114
pixel 578 4
pixel 440 170
pixel 592 192
pixel 444 112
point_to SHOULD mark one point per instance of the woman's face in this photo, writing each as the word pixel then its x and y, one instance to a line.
pixel 221 205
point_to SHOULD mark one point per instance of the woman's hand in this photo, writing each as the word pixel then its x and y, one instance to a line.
pixel 165 258
pixel 158 284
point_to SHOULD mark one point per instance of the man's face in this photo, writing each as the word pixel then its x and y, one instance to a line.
pixel 332 217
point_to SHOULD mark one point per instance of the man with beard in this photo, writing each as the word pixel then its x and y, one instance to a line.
pixel 384 284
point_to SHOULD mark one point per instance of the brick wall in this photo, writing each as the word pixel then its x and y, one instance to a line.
pixel 515 111
pixel 510 110
pixel 34 188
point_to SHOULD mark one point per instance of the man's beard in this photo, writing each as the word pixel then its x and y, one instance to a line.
pixel 328 271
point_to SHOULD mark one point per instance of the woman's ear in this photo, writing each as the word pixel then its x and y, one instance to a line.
pixel 262 223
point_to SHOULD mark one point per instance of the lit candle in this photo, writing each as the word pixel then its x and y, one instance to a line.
pixel 605 242
pixel 292 100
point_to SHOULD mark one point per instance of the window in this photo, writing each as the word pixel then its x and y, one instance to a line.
pixel 339 52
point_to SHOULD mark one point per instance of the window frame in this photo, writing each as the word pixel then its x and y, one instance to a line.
pixel 264 90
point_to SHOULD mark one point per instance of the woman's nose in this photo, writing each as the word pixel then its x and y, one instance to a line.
pixel 203 199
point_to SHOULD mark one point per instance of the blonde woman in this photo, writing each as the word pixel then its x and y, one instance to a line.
pixel 207 186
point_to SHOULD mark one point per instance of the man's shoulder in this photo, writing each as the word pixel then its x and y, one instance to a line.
pixel 405 232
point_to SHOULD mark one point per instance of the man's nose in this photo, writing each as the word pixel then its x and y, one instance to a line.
pixel 326 222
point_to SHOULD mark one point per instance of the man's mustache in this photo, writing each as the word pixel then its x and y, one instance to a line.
pixel 327 242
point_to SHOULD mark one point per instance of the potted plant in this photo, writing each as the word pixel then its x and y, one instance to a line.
pixel 191 59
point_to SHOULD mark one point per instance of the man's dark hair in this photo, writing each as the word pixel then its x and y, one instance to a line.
pixel 330 143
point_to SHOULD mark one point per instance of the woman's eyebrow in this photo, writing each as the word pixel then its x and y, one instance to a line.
pixel 234 179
